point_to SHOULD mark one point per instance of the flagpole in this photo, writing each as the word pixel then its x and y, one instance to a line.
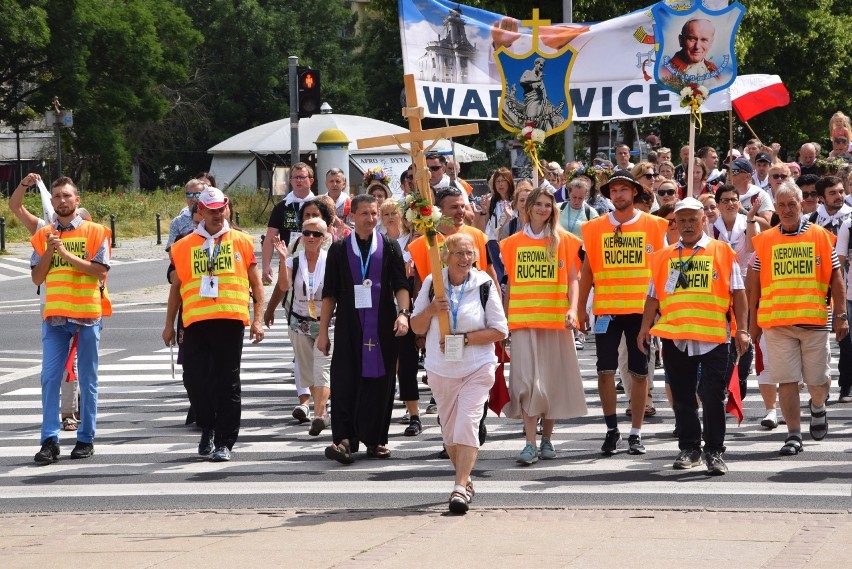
pixel 691 169
pixel 731 134
pixel 751 130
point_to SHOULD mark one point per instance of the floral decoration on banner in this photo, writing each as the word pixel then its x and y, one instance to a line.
pixel 601 174
pixel 693 96
pixel 424 216
pixel 532 139
pixel 375 175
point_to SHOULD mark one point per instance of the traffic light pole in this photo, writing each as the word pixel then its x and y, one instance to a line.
pixel 294 110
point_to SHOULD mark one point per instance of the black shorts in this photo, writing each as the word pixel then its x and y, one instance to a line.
pixel 607 343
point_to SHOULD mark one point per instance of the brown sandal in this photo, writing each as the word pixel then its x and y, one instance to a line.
pixel 378 451
pixel 339 452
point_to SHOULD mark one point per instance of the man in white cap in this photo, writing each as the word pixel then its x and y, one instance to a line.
pixel 694 282
pixel 215 269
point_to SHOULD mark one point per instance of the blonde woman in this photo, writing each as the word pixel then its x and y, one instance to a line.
pixel 541 298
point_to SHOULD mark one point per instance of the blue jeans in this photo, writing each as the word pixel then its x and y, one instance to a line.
pixel 56 342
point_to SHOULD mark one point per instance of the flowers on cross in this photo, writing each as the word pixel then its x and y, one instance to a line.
pixel 420 213
pixel 375 175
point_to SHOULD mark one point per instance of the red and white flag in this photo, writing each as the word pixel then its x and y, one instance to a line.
pixel 755 94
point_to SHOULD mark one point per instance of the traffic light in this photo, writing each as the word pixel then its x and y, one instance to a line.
pixel 308 83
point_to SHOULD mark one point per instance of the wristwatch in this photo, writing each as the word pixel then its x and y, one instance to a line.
pixel 842 316
pixel 405 312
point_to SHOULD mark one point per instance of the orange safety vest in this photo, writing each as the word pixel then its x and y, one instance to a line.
pixel 69 292
pixel 236 249
pixel 419 251
pixel 699 311
pixel 538 285
pixel 619 264
pixel 795 273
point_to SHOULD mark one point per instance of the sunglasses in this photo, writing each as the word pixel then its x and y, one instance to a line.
pixel 806 195
pixel 779 176
pixel 435 168
pixel 735 172
pixel 650 176
pixel 193 194
pixel 309 233
pixel 665 192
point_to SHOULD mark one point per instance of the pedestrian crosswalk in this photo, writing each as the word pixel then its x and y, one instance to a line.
pixel 15 268
pixel 146 456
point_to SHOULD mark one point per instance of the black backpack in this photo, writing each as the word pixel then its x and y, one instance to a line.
pixel 484 292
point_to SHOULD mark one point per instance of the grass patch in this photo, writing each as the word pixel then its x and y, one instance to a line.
pixel 136 212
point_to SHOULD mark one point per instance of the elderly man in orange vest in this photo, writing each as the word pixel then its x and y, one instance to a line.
pixel 215 270
pixel 795 269
pixel 694 282
pixel 71 258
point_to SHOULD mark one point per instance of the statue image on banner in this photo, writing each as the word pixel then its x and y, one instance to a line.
pixel 535 89
pixel 696 47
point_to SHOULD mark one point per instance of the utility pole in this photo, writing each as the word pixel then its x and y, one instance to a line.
pixel 294 110
pixel 568 17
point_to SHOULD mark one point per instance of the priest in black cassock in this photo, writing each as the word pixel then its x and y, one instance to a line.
pixel 364 274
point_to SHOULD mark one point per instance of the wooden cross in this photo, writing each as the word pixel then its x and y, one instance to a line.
pixel 416 137
pixel 370 345
pixel 535 23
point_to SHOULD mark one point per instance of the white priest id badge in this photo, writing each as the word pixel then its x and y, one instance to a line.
pixel 210 286
pixel 364 295
pixel 454 347
pixel 671 282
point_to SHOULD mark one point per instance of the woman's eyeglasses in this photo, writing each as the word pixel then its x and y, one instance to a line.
pixel 665 192
pixel 650 175
pixel 729 200
pixel 779 176
pixel 309 233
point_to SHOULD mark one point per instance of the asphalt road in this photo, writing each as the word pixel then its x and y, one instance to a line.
pixel 145 456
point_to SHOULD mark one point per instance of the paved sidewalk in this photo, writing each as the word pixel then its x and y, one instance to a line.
pixel 425 538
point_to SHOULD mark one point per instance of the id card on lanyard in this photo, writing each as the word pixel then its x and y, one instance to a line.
pixel 210 282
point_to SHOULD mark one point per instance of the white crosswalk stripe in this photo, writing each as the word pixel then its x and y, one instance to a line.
pixel 15 268
pixel 144 450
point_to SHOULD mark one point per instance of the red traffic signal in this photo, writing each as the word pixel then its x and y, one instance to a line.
pixel 309 91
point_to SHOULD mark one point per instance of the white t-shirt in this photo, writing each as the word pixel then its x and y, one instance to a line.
pixel 471 318
pixel 841 248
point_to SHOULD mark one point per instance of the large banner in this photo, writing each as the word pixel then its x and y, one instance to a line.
pixel 450 49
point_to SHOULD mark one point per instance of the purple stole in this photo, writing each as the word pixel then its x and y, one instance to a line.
pixel 372 363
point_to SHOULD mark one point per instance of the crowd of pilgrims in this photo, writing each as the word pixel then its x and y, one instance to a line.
pixel 489 257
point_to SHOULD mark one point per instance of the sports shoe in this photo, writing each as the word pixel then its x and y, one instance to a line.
pixel 715 465
pixel 222 454
pixel 634 442
pixel 48 453
pixel 619 387
pixel 546 450
pixel 819 423
pixel 300 413
pixel 205 446
pixel 414 428
pixel 528 456
pixel 83 450
pixel 610 445
pixel 405 419
pixel 578 345
pixel 318 424
pixel 687 459
pixel 770 420
pixel 658 362
pixel 432 407
pixel 845 395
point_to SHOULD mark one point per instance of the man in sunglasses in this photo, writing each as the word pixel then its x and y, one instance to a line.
pixel 750 195
pixel 694 282
pixel 183 223
pixel 617 248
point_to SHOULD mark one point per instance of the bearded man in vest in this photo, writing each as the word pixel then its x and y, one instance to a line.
pixel 215 270
pixel 617 248
pixel 694 283
pixel 71 258
pixel 794 274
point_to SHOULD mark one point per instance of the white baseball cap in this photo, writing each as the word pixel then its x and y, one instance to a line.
pixel 689 203
pixel 212 198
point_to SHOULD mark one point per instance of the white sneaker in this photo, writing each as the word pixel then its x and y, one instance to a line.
pixel 770 420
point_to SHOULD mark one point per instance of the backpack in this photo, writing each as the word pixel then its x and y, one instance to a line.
pixel 587 209
pixel 484 292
